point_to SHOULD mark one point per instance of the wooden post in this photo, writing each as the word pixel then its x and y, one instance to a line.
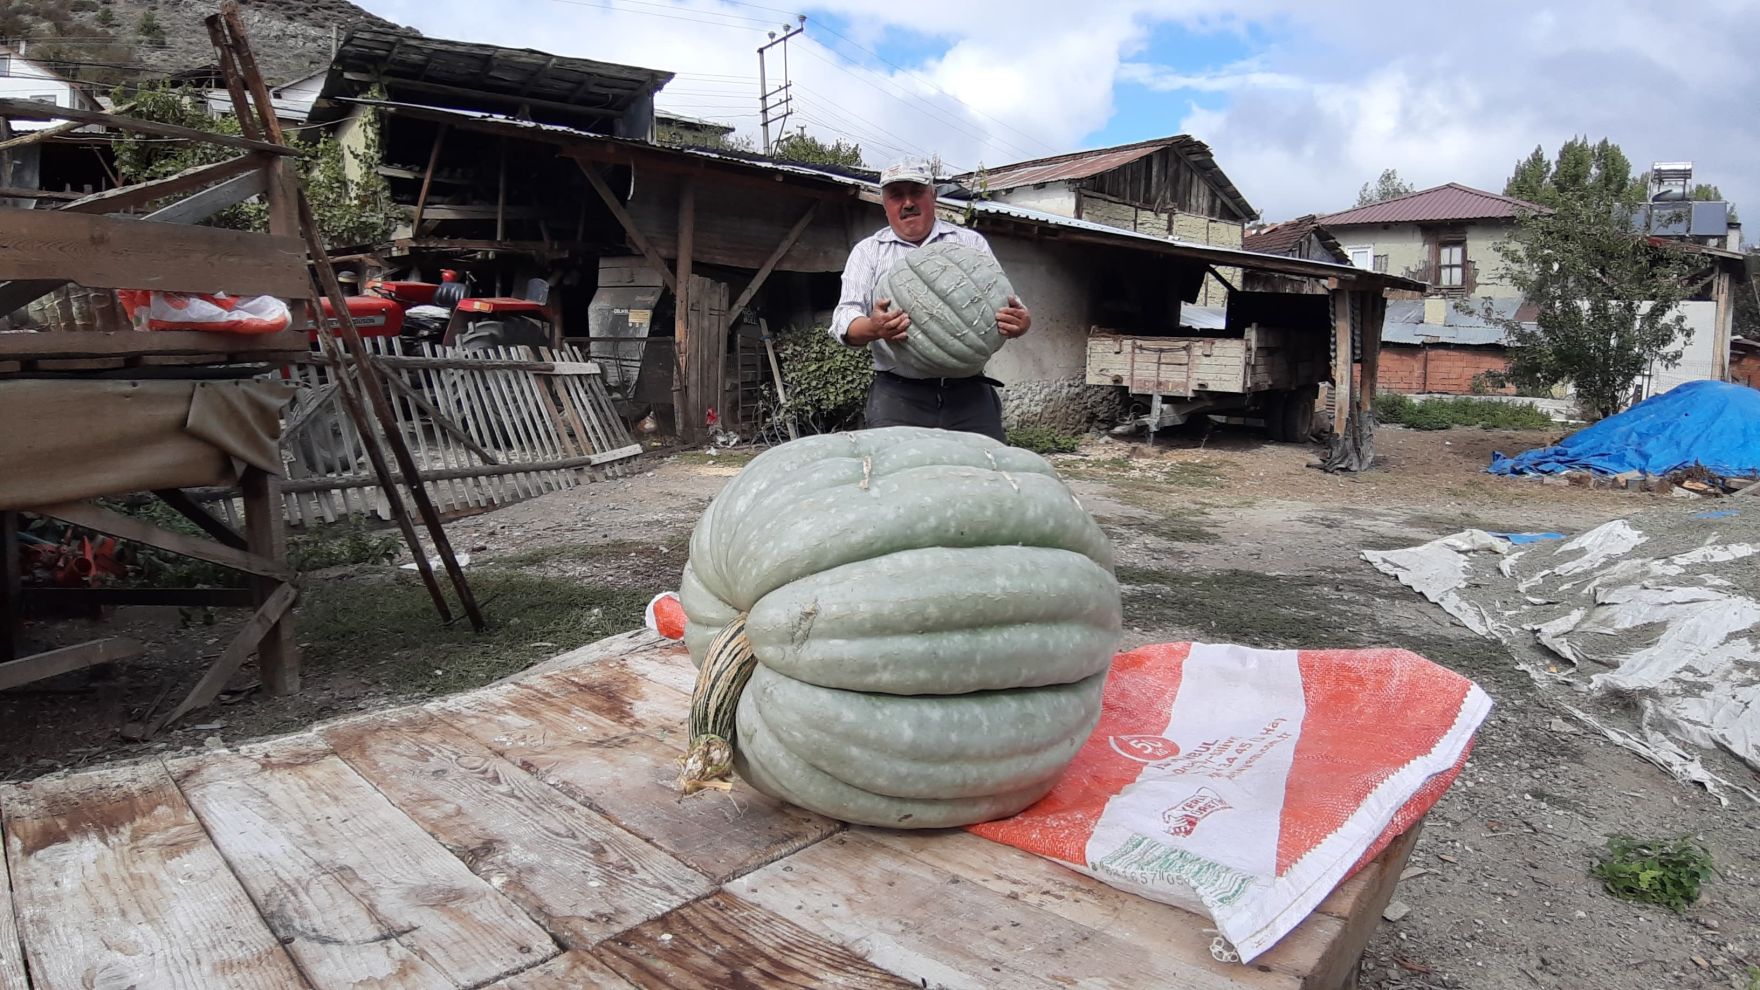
pixel 1341 361
pixel 11 577
pixel 686 406
pixel 1374 306
pixel 265 535
pixel 1724 323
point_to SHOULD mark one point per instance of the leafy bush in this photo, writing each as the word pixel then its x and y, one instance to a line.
pixel 1043 440
pixel 332 546
pixel 827 382
pixel 1654 871
pixel 1442 414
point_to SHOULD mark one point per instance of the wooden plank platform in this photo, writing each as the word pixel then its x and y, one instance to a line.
pixel 529 836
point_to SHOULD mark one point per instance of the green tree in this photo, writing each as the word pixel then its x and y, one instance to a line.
pixel 1529 179
pixel 1607 301
pixel 1580 168
pixel 1388 186
pixel 106 17
pixel 803 147
pixel 149 29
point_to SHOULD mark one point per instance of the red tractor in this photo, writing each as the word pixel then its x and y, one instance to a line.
pixel 444 312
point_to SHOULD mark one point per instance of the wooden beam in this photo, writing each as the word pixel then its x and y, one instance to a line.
pixel 1723 322
pixel 682 399
pixel 440 419
pixel 266 537
pixel 32 110
pixel 141 193
pixel 415 226
pixel 96 517
pixel 630 229
pixel 770 263
pixel 67 659
pixel 32 137
pixel 1374 310
pixel 241 106
pixel 104 252
pixel 129 343
pixel 301 485
pixel 195 512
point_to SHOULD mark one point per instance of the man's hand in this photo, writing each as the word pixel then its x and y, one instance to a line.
pixel 1013 320
pixel 884 323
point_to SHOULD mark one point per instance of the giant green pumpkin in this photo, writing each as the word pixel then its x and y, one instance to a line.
pixel 931 616
pixel 951 292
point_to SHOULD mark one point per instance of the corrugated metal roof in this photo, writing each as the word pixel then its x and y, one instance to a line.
pixel 1085 164
pixel 1452 201
pixel 1278 238
pixel 1404 324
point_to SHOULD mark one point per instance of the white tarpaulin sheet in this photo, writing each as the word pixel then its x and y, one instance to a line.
pixel 1662 608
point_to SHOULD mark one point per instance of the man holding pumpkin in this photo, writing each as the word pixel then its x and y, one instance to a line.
pixel 865 318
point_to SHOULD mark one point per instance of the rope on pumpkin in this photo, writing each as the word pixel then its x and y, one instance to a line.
pixel 726 668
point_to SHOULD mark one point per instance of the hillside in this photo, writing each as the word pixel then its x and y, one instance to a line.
pixel 112 41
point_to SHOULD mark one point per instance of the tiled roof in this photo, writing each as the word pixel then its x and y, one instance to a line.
pixel 1446 202
pixel 1085 164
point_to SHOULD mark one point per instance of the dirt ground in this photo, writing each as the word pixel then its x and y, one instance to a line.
pixel 1224 538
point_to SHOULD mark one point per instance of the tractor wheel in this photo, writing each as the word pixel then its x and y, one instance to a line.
pixel 1273 413
pixel 1298 414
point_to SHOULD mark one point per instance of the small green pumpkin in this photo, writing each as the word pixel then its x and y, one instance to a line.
pixel 951 292
pixel 902 627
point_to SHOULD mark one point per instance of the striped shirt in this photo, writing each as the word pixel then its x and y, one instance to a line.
pixel 869 261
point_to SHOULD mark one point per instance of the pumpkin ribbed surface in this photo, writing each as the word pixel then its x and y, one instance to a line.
pixel 952 292
pixel 932 615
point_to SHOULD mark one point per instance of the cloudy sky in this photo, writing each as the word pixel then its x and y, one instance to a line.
pixel 1300 101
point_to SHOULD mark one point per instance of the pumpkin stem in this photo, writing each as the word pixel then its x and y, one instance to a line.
pixel 726 669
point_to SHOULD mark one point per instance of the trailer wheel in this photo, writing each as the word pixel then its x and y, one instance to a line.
pixel 1298 413
pixel 1275 408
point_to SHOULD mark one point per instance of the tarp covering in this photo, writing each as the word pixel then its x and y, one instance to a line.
pixel 1714 424
pixel 1660 611
pixel 74 439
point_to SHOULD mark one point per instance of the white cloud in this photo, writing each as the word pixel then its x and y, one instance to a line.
pixel 1337 93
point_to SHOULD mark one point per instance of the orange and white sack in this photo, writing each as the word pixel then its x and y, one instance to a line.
pixel 150 309
pixel 664 615
pixel 1246 784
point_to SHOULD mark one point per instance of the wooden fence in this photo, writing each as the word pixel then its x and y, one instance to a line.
pixel 487 427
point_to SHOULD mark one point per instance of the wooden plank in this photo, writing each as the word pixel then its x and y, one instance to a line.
pixel 250 638
pixel 573 970
pixel 141 193
pixel 1045 885
pixel 518 470
pixel 1341 360
pixel 1362 902
pixel 633 232
pixel 686 399
pixel 12 971
pixel 132 343
pixel 206 203
pixel 723 942
pixel 53 663
pixel 440 420
pixel 415 226
pixel 61 598
pixel 19 192
pixel 934 927
pixel 32 110
pixel 632 778
pixel 115 885
pixel 581 877
pixel 106 252
pixel 357 892
pixel 94 516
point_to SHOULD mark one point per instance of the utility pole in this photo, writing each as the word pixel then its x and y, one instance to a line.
pixel 775 105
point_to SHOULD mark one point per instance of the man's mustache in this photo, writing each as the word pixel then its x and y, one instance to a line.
pixel 908 211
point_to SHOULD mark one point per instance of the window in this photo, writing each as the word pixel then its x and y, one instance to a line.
pixel 1451 264
pixel 1381 263
pixel 1363 257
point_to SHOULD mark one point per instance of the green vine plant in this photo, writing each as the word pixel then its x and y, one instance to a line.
pixel 827 382
pixel 352 206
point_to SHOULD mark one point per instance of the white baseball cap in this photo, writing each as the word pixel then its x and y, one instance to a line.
pixel 907 170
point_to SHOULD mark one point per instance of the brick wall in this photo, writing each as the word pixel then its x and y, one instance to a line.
pixel 1744 367
pixel 1412 369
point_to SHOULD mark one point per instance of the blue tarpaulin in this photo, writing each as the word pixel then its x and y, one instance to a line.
pixel 1714 424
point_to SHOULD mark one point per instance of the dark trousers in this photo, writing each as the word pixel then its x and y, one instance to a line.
pixel 971 405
